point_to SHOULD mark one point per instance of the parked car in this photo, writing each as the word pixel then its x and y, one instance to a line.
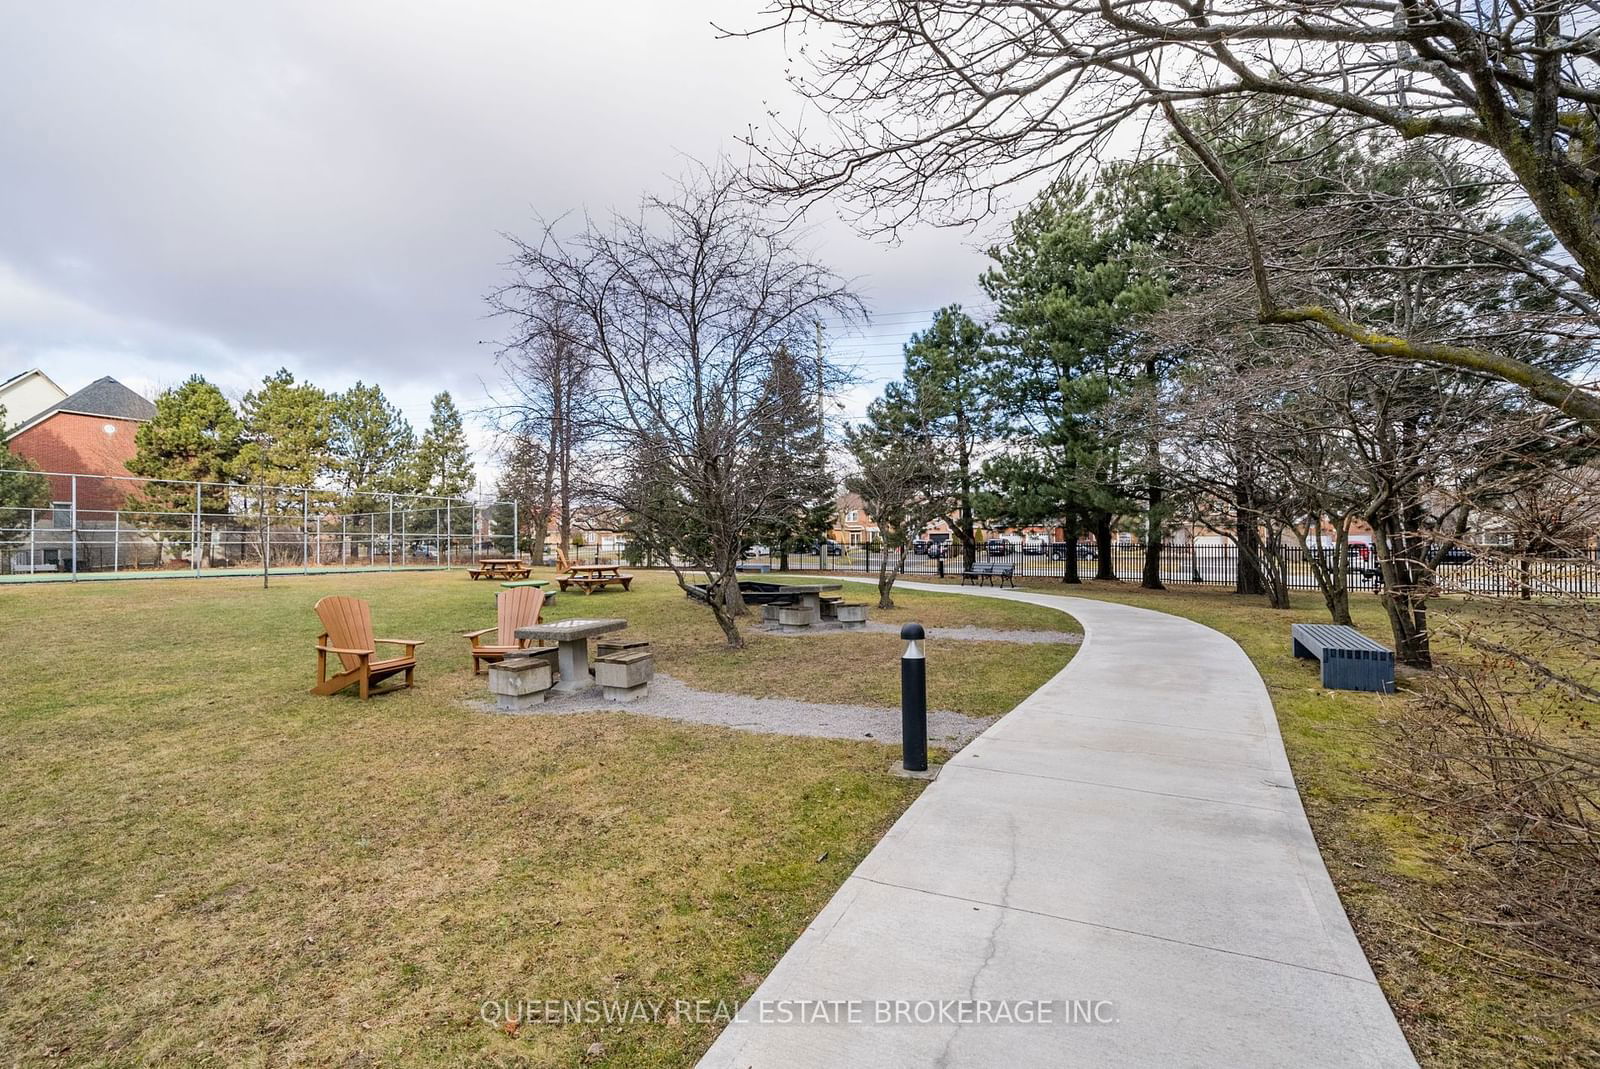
pixel 937 550
pixel 831 548
pixel 1456 555
pixel 757 550
pixel 997 547
pixel 1034 546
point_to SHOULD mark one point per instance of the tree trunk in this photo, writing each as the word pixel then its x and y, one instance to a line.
pixel 886 577
pixel 1069 539
pixel 1154 489
pixel 1152 538
pixel 1105 568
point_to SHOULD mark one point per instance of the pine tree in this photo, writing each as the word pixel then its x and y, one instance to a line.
pixel 792 440
pixel 288 427
pixel 20 489
pixel 443 465
pixel 195 437
pixel 944 393
pixel 372 445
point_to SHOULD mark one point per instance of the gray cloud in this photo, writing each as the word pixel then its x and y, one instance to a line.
pixel 227 188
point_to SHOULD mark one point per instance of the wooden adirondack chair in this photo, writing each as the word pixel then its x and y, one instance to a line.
pixel 347 633
pixel 518 607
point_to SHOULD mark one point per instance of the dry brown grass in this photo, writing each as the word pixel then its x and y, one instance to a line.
pixel 202 864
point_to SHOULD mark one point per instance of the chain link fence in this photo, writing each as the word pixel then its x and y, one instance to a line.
pixel 125 527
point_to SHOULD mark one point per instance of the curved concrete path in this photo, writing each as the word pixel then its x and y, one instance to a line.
pixel 1128 840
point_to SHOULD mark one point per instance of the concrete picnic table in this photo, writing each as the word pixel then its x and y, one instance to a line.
pixel 572 642
pixel 810 595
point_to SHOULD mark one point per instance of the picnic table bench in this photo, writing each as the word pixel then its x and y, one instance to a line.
pixel 1350 660
pixel 993 574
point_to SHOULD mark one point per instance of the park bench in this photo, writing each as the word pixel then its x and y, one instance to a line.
pixel 991 574
pixel 1350 660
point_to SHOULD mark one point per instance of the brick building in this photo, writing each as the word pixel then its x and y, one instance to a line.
pixel 88 433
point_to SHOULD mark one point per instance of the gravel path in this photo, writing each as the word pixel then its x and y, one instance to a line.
pixel 673 700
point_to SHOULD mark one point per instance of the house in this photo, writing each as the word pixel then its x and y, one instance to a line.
pixel 852 526
pixel 89 433
pixel 82 442
pixel 26 395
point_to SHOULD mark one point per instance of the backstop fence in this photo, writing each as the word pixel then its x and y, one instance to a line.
pixel 112 526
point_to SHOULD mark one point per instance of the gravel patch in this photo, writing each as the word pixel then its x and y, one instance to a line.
pixel 987 634
pixel 959 634
pixel 670 699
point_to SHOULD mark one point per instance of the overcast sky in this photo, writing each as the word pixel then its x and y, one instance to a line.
pixel 231 188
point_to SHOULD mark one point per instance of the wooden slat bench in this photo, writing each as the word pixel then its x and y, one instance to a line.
pixel 1350 660
pixel 993 574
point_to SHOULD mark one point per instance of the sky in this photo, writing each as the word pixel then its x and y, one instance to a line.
pixel 230 188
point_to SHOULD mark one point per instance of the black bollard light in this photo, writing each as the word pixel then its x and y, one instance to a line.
pixel 913 701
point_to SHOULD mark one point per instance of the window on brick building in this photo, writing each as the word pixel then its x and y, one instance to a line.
pixel 61 514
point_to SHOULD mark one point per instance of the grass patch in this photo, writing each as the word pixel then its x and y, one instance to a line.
pixel 1464 995
pixel 204 864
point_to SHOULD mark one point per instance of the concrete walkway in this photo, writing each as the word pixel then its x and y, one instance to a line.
pixel 1128 845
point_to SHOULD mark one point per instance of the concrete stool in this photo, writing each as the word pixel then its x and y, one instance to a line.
pixel 769 612
pixel 795 617
pixel 852 615
pixel 625 676
pixel 519 683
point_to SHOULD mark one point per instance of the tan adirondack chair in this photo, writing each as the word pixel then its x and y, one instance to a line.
pixel 514 608
pixel 347 624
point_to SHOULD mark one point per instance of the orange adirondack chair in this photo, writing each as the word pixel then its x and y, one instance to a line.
pixel 514 608
pixel 347 624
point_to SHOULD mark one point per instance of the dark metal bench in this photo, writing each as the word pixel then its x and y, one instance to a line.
pixel 1350 660
pixel 990 573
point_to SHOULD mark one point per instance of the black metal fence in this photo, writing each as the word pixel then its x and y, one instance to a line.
pixel 1488 571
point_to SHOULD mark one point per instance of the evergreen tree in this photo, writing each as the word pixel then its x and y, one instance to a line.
pixel 792 439
pixel 372 445
pixel 195 437
pixel 288 428
pixel 443 464
pixel 20 489
pixel 1071 285
pixel 944 394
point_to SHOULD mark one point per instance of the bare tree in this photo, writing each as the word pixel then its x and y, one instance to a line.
pixel 935 108
pixel 549 395
pixel 902 483
pixel 683 311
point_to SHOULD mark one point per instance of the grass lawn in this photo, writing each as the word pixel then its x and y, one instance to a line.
pixel 200 863
pixel 1464 996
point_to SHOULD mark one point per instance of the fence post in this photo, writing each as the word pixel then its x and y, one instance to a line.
pixel 33 552
pixel 305 531
pixel 344 540
pixel 194 534
pixel 449 536
pixel 516 544
pixel 116 541
pixel 74 528
pixel 405 540
pixel 391 532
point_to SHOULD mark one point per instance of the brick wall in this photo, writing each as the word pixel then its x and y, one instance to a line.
pixel 89 445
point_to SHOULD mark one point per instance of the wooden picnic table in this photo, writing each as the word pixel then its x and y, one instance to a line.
pixel 592 577
pixel 499 568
